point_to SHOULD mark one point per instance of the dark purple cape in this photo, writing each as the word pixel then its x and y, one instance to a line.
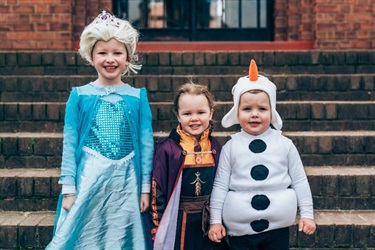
pixel 168 158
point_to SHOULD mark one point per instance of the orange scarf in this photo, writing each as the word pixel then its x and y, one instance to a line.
pixel 189 142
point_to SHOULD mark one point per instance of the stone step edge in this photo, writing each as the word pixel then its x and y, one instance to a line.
pixel 162 134
pixel 310 171
pixel 29 172
pixel 322 218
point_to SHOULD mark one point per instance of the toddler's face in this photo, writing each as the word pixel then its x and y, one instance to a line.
pixel 109 60
pixel 254 112
pixel 194 114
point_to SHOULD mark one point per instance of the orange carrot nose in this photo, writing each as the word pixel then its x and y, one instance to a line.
pixel 253 71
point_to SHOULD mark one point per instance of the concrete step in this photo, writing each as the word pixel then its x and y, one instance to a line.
pixel 296 115
pixel 272 62
pixel 317 148
pixel 336 229
pixel 294 87
pixel 333 187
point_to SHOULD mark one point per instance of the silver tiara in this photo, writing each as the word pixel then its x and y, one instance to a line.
pixel 107 19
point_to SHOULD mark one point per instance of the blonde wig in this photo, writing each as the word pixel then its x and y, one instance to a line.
pixel 106 27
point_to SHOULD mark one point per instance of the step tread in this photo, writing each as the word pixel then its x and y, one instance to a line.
pixel 15 218
pixel 340 170
pixel 344 217
pixel 322 217
pixel 30 172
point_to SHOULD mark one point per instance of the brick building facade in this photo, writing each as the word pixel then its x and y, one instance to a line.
pixel 56 25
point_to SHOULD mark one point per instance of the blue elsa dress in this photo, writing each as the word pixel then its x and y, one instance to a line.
pixel 111 146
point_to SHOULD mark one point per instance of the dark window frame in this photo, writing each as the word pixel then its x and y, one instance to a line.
pixel 193 33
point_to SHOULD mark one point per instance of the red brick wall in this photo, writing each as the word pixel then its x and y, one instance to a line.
pixel 45 24
pixel 344 24
pixel 57 24
pixel 36 24
pixel 330 24
pixel 84 11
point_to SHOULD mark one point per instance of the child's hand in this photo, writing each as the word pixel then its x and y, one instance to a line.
pixel 68 202
pixel 216 233
pixel 307 226
pixel 145 201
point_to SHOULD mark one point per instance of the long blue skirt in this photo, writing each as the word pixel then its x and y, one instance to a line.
pixel 106 213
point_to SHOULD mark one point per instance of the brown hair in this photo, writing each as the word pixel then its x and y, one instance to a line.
pixel 256 91
pixel 192 89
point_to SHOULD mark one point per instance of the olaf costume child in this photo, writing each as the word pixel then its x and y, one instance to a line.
pixel 260 179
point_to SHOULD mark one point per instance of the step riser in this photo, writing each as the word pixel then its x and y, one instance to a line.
pixel 241 70
pixel 32 126
pixel 268 61
pixel 57 127
pixel 29 193
pixel 332 202
pixel 329 192
pixel 161 88
pixel 343 192
pixel 315 151
pixel 222 96
pixel 42 161
pixel 26 232
pixel 25 237
pixel 335 236
pixel 307 144
pixel 49 117
pixel 29 204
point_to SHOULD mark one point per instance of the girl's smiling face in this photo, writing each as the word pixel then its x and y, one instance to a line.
pixel 194 114
pixel 109 59
pixel 254 112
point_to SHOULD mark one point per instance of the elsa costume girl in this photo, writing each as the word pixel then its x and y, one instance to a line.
pixel 107 155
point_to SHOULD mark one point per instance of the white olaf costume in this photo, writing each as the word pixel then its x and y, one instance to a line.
pixel 260 179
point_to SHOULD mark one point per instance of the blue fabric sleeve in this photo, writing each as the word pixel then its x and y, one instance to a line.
pixel 146 141
pixel 70 140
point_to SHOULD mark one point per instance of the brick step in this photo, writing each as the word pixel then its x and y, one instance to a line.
pixel 25 230
pixel 317 148
pixel 322 148
pixel 193 69
pixel 29 189
pixel 342 187
pixel 336 229
pixel 272 62
pixel 296 115
pixel 333 187
pixel 161 87
pixel 288 125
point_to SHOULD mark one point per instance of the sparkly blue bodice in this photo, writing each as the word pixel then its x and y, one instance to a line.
pixel 110 131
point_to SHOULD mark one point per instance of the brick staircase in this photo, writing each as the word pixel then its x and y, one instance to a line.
pixel 326 100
